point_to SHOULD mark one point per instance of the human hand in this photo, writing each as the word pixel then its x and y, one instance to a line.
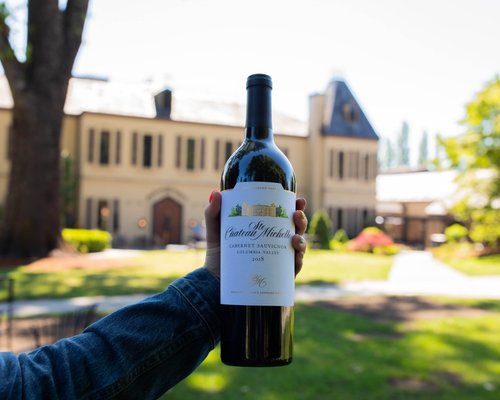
pixel 212 219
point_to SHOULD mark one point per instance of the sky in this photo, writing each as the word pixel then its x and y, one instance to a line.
pixel 418 61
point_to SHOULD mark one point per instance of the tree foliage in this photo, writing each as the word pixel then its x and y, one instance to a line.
pixel 423 150
pixel 476 153
pixel 403 146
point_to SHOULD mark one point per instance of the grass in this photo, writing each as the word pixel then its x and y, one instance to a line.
pixel 476 266
pixel 344 356
pixel 326 266
pixel 461 257
pixel 154 270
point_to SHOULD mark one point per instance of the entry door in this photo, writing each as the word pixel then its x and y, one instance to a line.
pixel 167 221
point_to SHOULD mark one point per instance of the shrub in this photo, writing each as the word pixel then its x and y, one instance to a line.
pixel 456 233
pixel 87 241
pixel 485 227
pixel 386 250
pixel 339 241
pixel 320 229
pixel 372 240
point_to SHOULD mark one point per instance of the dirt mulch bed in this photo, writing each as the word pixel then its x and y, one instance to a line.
pixel 63 260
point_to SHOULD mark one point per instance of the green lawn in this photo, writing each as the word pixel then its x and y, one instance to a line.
pixel 461 257
pixel 343 356
pixel 154 270
pixel 326 266
pixel 488 265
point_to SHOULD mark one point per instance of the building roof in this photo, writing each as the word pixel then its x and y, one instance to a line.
pixel 137 99
pixel 438 188
pixel 343 116
pixel 416 186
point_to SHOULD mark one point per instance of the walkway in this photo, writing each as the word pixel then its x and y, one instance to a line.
pixel 413 273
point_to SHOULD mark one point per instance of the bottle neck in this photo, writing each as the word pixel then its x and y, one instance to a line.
pixel 259 124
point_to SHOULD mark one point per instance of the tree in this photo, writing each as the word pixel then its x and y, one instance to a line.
pixel 476 153
pixel 403 146
pixel 386 154
pixel 31 225
pixel 423 153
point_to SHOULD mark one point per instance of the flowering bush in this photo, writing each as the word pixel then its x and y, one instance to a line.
pixel 372 240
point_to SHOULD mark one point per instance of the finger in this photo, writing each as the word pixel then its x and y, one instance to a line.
pixel 299 261
pixel 299 244
pixel 300 221
pixel 300 204
pixel 212 218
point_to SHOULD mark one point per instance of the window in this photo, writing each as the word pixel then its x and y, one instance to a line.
pixel 178 152
pixel 90 150
pixel 341 165
pixel 202 155
pixel 146 151
pixel 349 112
pixel 229 150
pixel 332 154
pixel 217 155
pixel 88 213
pixel 340 223
pixel 118 147
pixel 354 164
pixel 102 215
pixel 134 148
pixel 190 154
pixel 116 215
pixel 104 148
pixel 364 217
pixel 160 150
pixel 367 166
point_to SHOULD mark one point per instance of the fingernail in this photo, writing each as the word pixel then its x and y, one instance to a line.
pixel 211 196
pixel 302 240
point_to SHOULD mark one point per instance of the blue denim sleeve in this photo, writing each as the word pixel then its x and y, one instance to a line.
pixel 138 352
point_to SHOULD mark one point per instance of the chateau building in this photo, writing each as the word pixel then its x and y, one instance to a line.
pixel 144 164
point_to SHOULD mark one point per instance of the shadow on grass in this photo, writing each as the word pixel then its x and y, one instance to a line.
pixel 51 285
pixel 339 355
pixel 318 282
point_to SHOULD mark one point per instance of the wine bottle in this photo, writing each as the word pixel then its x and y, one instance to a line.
pixel 257 258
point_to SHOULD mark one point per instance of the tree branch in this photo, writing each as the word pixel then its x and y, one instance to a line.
pixel 73 24
pixel 14 70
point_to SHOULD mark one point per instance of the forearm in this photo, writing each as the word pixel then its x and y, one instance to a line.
pixel 139 351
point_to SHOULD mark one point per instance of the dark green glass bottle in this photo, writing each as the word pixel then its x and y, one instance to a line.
pixel 259 335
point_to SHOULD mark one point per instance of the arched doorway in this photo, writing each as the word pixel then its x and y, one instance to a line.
pixel 167 220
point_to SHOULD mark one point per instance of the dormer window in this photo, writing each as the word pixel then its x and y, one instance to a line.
pixel 350 112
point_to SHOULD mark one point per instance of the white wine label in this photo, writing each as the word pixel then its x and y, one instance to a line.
pixel 257 257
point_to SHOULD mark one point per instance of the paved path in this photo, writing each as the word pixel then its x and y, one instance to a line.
pixel 413 273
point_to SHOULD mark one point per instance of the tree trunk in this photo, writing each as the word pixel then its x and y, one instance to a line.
pixel 31 224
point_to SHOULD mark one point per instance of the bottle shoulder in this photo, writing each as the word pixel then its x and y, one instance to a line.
pixel 258 162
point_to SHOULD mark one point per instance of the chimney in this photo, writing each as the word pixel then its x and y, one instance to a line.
pixel 163 104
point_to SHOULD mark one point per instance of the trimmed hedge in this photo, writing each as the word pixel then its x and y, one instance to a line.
pixel 87 240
